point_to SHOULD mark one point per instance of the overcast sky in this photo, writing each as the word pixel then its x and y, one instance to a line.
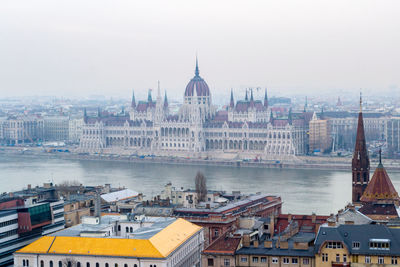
pixel 81 48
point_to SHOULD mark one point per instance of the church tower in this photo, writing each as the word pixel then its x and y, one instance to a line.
pixel 360 161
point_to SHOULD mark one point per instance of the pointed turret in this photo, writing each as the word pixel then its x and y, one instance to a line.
pixel 165 100
pixel 266 99
pixel 380 189
pixel 246 97
pixel 133 102
pixel 149 98
pixel 251 98
pixel 360 162
pixel 271 117
pixel 232 103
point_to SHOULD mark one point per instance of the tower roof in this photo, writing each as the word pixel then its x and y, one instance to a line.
pixel 197 83
pixel 380 188
pixel 360 156
pixel 232 102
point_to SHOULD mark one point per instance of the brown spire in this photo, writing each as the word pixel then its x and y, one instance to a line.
pixel 360 161
pixel 380 189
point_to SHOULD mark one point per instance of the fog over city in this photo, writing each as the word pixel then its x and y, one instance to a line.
pixel 81 48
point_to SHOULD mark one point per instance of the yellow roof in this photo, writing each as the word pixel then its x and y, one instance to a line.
pixel 172 236
pixel 158 246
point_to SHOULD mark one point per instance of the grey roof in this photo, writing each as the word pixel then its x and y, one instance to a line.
pixel 7 212
pixel 362 234
pixel 353 215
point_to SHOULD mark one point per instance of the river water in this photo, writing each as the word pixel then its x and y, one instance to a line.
pixel 302 191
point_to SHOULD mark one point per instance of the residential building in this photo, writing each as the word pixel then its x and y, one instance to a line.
pixel 21 129
pixel 393 135
pixel 319 139
pixel 357 245
pixel 56 128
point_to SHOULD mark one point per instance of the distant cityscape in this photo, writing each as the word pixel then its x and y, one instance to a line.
pixel 245 128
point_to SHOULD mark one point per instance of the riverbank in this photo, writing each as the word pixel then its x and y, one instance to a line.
pixel 300 162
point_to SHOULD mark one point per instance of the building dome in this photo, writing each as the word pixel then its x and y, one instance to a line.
pixel 197 83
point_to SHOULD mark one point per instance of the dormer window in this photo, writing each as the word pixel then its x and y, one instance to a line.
pixel 380 244
pixel 334 245
pixel 356 245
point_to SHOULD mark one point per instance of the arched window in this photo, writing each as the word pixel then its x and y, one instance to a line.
pixel 59 264
pixel 23 263
pixel 107 265
pixel 127 229
pixel 41 263
pixel 78 264
pixel 51 263
pixel 125 265
pixel 116 265
pixel 87 264
pixel 97 264
pixel 27 262
pixel 119 228
pixel 135 265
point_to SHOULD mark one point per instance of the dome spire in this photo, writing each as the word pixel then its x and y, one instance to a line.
pixel 197 72
pixel 360 102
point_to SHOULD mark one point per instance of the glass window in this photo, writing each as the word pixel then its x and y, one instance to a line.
pixel 394 260
pixel 255 259
pixel 337 258
pixel 367 259
pixel 263 259
pixel 243 259
pixel 306 261
pixel 227 262
pixel 294 260
pixel 381 260
pixel 210 262
pixel 286 260
pixel 274 260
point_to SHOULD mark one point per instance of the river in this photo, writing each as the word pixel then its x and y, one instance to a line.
pixel 302 191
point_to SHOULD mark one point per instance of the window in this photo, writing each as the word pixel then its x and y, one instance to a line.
pixel 116 265
pixel 106 265
pixel 324 257
pixel 78 264
pixel 274 260
pixel 210 262
pixel 51 263
pixel 384 245
pixel 334 245
pixel 59 264
pixel 216 233
pixel 255 259
pixel 344 258
pixel 23 263
pixel 337 258
pixel 381 260
pixel 41 263
pixel 97 264
pixel 356 245
pixel 294 261
pixel 27 262
pixel 263 259
pixel 306 261
pixel 227 262
pixel 243 259
pixel 286 260
pixel 125 265
pixel 119 228
pixel 367 259
pixel 394 260
pixel 135 265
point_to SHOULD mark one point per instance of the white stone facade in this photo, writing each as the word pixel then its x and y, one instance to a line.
pixel 246 128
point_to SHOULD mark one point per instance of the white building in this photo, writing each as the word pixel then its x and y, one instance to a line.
pixel 118 241
pixel 75 129
pixel 56 128
pixel 247 129
pixel 20 129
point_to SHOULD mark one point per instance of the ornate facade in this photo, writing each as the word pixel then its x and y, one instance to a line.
pixel 246 127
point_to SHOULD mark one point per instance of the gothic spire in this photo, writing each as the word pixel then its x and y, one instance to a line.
pixel 197 72
pixel 360 161
pixel 232 103
pixel 84 115
pixel 165 100
pixel 305 105
pixel 251 98
pixel 246 98
pixel 149 98
pixel 266 98
pixel 133 102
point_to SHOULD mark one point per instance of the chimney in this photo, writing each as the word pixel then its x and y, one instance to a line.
pixel 97 205
pixel 331 221
pixel 313 218
pixel 246 241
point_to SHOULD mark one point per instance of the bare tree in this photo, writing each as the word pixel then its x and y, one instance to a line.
pixel 201 186
pixel 69 262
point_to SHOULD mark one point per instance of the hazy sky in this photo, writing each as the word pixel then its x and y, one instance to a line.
pixel 70 48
